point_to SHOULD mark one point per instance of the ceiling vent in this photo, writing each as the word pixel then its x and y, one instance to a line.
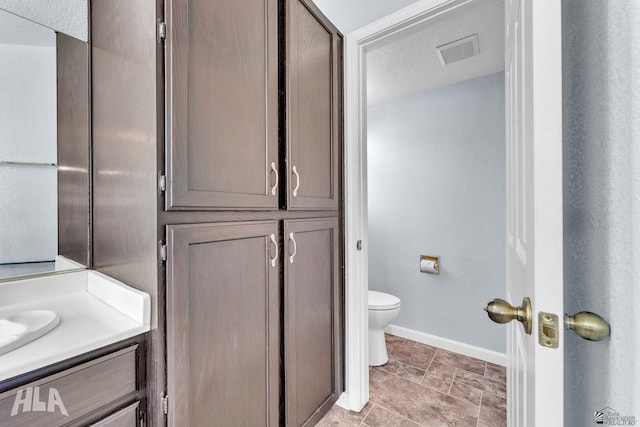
pixel 458 50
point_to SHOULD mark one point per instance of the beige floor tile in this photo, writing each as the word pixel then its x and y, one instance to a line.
pixel 416 355
pixel 404 371
pixel 419 404
pixel 341 417
pixel 493 411
pixel 464 392
pixel 497 388
pixel 430 387
pixel 496 372
pixel 460 361
pixel 381 417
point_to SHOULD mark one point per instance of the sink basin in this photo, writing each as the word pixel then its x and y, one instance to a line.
pixel 23 327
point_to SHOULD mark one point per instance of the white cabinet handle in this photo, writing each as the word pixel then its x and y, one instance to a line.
pixel 275 244
pixel 295 248
pixel 295 189
pixel 275 186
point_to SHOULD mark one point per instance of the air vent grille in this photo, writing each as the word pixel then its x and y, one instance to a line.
pixel 458 50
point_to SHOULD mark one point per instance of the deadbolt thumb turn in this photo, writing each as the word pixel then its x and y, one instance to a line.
pixel 501 311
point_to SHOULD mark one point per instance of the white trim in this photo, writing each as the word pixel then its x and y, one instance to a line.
pixel 450 345
pixel 356 393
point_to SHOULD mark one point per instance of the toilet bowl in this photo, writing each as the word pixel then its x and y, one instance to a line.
pixel 383 308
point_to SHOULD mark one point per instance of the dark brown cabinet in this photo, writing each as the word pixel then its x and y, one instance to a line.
pixel 223 328
pixel 102 388
pixel 313 105
pixel 311 340
pixel 239 105
pixel 222 104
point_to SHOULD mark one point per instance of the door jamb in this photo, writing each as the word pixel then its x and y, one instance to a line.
pixel 356 393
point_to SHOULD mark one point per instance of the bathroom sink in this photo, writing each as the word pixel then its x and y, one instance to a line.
pixel 23 327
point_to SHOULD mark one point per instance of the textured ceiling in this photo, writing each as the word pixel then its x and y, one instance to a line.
pixel 349 15
pixel 65 16
pixel 409 63
pixel 15 30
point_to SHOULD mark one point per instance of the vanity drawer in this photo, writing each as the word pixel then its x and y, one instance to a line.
pixel 67 396
pixel 127 417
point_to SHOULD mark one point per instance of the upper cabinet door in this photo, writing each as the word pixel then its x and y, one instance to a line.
pixel 222 104
pixel 313 105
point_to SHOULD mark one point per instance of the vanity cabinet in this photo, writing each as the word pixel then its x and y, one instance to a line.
pixel 223 328
pixel 313 105
pixel 311 331
pixel 222 104
pixel 106 390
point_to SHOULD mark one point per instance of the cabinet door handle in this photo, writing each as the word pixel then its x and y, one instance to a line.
pixel 275 244
pixel 295 248
pixel 275 171
pixel 295 189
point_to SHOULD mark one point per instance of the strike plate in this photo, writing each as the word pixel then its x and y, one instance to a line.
pixel 548 332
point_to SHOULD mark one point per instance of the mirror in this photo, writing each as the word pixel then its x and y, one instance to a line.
pixel 44 138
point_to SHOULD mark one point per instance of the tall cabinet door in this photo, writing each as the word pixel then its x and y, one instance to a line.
pixel 222 104
pixel 223 328
pixel 311 337
pixel 313 101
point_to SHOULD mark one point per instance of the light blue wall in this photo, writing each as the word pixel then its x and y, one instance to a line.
pixel 601 66
pixel 436 186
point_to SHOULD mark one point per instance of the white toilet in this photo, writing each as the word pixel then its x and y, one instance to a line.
pixel 383 308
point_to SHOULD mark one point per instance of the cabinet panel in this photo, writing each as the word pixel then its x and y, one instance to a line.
pixel 127 417
pixel 311 319
pixel 74 393
pixel 223 324
pixel 313 104
pixel 222 104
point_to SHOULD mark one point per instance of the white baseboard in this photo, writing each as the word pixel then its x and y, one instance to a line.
pixel 345 401
pixel 450 345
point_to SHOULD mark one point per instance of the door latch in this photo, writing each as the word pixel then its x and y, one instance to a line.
pixel 548 334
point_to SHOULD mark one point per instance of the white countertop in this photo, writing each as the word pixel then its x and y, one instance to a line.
pixel 95 310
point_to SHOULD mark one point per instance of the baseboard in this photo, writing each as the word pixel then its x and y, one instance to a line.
pixel 450 345
pixel 345 401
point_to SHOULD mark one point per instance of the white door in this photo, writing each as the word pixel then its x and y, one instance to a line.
pixel 533 80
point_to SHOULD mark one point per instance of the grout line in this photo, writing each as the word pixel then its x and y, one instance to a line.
pixel 452 381
pixel 486 368
pixel 479 407
pixel 431 361
pixel 362 423
pixel 400 415
pixel 423 377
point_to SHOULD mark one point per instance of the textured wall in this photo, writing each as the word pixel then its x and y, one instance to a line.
pixel 602 202
pixel 28 211
pixel 436 187
pixel 67 16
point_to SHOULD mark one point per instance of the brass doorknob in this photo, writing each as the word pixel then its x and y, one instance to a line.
pixel 588 325
pixel 501 311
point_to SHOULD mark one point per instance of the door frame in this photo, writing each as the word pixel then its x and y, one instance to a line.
pixel 356 394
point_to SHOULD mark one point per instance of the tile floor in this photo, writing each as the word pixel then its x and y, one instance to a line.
pixel 427 386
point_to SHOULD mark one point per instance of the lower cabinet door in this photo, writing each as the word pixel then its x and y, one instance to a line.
pixel 223 325
pixel 311 331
